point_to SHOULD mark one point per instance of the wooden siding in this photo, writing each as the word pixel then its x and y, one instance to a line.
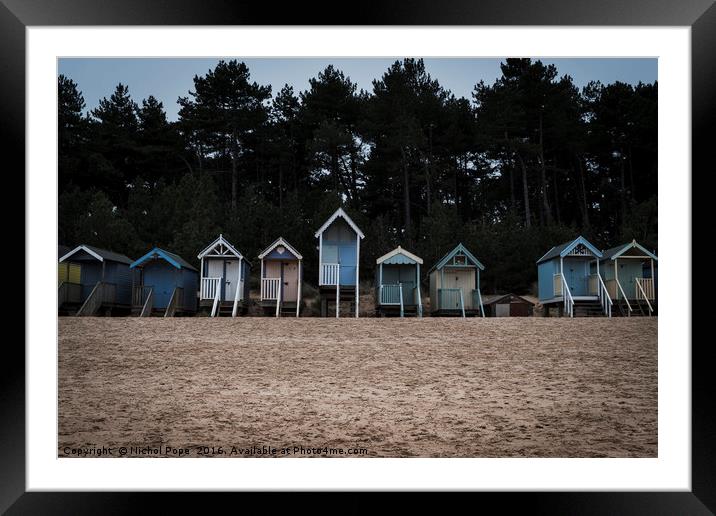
pixel 68 272
pixel 545 278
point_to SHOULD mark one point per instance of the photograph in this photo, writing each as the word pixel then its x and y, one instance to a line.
pixel 357 257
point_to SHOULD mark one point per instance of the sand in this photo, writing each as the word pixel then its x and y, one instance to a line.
pixel 432 387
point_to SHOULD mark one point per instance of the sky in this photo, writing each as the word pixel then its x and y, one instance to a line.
pixel 170 78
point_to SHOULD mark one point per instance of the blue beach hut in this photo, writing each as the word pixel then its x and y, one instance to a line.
pixel 338 261
pixel 93 280
pixel 569 279
pixel 398 283
pixel 163 283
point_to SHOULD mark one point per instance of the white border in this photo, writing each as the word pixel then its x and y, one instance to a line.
pixel 672 468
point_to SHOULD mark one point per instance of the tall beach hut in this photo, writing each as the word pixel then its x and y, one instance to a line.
pixel 93 280
pixel 281 277
pixel 455 284
pixel 629 272
pixel 398 283
pixel 163 283
pixel 569 279
pixel 338 261
pixel 224 279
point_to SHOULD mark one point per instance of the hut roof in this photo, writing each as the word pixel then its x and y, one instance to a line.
pixel 459 249
pixel 399 250
pixel 280 241
pixel 339 213
pixel 219 242
pixel 174 259
pixel 496 298
pixel 97 253
pixel 616 252
pixel 565 248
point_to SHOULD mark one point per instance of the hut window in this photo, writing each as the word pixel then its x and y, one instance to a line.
pixel 460 260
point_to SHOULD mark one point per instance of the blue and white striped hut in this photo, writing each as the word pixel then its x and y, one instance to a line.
pixel 398 283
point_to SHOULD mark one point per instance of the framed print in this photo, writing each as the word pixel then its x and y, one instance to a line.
pixel 416 252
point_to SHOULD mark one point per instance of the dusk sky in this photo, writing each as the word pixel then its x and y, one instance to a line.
pixel 169 78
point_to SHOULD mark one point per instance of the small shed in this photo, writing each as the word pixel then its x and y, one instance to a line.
pixel 338 261
pixel 92 280
pixel 569 278
pixel 455 284
pixel 398 283
pixel 281 278
pixel 163 283
pixel 629 272
pixel 224 279
pixel 507 305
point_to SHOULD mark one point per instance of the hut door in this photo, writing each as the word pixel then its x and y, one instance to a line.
pixel 231 279
pixel 290 278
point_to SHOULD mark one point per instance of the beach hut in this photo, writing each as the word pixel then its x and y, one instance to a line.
pixel 163 283
pixel 224 279
pixel 281 277
pixel 569 279
pixel 629 272
pixel 398 283
pixel 455 284
pixel 93 280
pixel 338 261
pixel 507 305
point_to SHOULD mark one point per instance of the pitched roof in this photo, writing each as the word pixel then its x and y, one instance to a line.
pixel 220 241
pixel 616 252
pixel 174 259
pixel 97 253
pixel 280 241
pixel 399 250
pixel 563 249
pixel 459 248
pixel 496 298
pixel 339 213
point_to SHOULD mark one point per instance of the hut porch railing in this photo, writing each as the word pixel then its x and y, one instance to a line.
pixel 174 302
pixel 330 274
pixel 647 291
pixel 270 288
pixel 209 288
pixel 148 304
pixel 102 293
pixel 568 300
pixel 477 300
pixel 392 294
pixel 69 292
pixel 604 297
pixel 451 299
pixel 642 294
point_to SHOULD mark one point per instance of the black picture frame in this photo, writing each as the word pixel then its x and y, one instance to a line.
pixel 700 15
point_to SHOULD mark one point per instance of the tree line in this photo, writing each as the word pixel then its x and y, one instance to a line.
pixel 528 162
